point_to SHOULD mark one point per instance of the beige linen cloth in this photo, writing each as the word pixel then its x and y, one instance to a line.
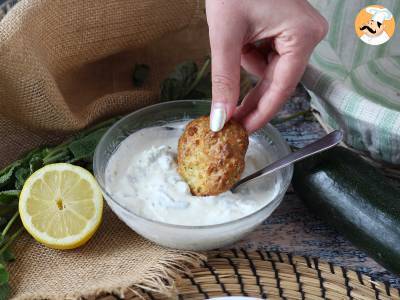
pixel 64 65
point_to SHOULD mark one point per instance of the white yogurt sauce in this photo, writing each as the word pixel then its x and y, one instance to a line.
pixel 142 176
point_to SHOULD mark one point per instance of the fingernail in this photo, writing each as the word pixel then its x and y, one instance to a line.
pixel 217 118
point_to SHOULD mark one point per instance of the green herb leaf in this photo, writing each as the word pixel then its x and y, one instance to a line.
pixel 35 163
pixel 171 90
pixel 179 82
pixel 21 175
pixel 202 89
pixel 83 149
pixel 189 82
pixel 59 156
pixel 3 275
pixel 140 74
pixel 8 196
pixel 7 211
pixel 8 256
pixel 185 72
pixel 4 291
pixel 3 221
pixel 105 124
pixel 7 175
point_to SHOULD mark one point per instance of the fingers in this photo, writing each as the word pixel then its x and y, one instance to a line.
pixel 254 57
pixel 280 79
pixel 235 23
pixel 250 102
pixel 253 61
pixel 225 56
pixel 285 65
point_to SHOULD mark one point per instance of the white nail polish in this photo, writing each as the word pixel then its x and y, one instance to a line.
pixel 218 118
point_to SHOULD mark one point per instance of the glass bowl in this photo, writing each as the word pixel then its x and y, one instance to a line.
pixel 180 236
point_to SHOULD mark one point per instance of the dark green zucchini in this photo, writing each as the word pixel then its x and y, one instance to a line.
pixel 356 199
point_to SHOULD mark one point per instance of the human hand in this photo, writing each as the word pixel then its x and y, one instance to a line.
pixel 288 31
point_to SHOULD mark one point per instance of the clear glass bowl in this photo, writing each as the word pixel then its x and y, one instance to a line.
pixel 180 236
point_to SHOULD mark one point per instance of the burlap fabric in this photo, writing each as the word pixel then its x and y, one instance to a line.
pixel 64 65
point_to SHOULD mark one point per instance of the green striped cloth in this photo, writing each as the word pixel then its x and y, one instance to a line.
pixel 355 86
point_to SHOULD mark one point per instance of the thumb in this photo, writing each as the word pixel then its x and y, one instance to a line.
pixel 225 77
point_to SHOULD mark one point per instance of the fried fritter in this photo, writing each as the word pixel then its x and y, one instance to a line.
pixel 211 162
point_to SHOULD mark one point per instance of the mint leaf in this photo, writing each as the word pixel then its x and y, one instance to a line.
pixel 7 174
pixel 58 157
pixel 102 125
pixel 202 90
pixel 179 82
pixel 140 74
pixel 21 175
pixel 8 256
pixel 4 291
pixel 83 149
pixel 7 211
pixel 36 160
pixel 35 163
pixel 3 275
pixel 8 196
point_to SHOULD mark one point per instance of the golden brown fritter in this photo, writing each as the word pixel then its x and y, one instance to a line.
pixel 211 162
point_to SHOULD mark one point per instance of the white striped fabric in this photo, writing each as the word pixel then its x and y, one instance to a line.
pixel 356 86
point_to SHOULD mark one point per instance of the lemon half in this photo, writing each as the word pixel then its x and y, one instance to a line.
pixel 61 205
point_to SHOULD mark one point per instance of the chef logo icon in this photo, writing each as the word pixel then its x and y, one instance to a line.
pixel 375 25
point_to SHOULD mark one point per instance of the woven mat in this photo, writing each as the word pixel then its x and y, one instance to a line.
pixel 273 275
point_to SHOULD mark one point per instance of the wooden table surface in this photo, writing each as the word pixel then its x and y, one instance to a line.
pixel 292 228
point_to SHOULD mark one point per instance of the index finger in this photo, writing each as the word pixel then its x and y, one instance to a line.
pixel 226 30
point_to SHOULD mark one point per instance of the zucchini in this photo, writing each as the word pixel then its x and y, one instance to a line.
pixel 356 199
